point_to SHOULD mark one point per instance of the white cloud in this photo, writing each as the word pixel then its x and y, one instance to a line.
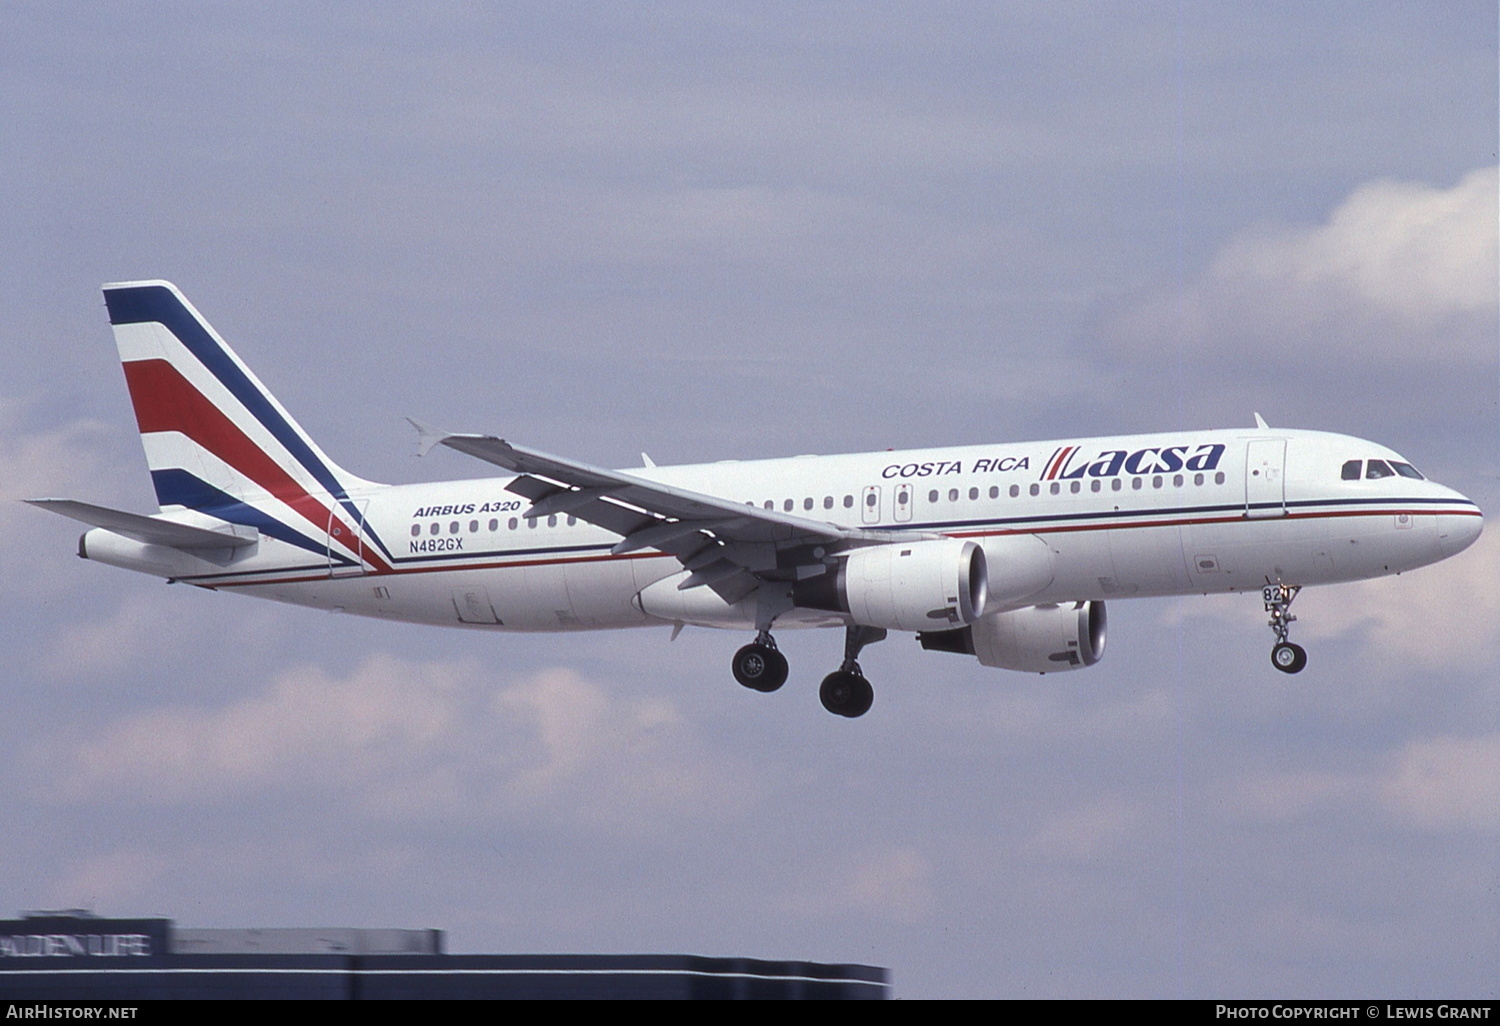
pixel 405 740
pixel 1044 712
pixel 1406 248
pixel 1444 617
pixel 891 883
pixel 1276 797
pixel 37 464
pixel 1439 618
pixel 132 631
pixel 1400 272
pixel 306 728
pixel 110 880
pixel 1446 783
pixel 1441 783
pixel 1088 832
pixel 65 461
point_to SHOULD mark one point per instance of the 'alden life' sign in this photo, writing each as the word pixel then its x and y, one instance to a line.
pixel 59 937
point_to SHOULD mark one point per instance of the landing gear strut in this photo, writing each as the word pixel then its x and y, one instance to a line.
pixel 845 691
pixel 759 666
pixel 1285 656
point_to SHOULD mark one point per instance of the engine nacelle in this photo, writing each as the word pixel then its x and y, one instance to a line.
pixel 1040 639
pixel 904 586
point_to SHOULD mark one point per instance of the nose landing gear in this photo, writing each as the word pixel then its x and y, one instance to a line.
pixel 1285 656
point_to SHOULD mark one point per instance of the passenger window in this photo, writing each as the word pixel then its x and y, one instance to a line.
pixel 932 496
pixel 973 493
pixel 828 502
pixel 1095 484
pixel 512 524
pixel 1351 470
pixel 473 527
pixel 770 504
pixel 1115 485
pixel 434 529
pixel 1015 490
pixel 416 529
pixel 787 505
pixel 1135 483
pixel 1197 479
pixel 952 494
pixel 848 502
pixel 1219 477
pixel 1176 480
pixel 494 525
pixel 1055 488
pixel 807 502
pixel 1036 489
pixel 1074 487
pixel 1376 469
pixel 572 520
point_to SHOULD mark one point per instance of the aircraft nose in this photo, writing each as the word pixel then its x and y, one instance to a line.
pixel 1457 531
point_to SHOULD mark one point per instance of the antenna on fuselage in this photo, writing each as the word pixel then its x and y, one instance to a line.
pixel 1260 422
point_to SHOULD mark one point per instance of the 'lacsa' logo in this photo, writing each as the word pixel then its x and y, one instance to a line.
pixel 1066 463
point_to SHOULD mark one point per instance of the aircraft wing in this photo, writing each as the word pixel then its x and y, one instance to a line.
pixel 727 545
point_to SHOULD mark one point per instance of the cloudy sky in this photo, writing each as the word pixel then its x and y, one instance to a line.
pixel 726 231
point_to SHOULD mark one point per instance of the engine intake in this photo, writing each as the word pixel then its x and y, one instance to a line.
pixel 907 586
pixel 1040 639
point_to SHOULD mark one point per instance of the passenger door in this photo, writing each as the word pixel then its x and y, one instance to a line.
pixel 1265 478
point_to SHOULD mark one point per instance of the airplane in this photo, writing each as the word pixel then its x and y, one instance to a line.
pixel 1006 552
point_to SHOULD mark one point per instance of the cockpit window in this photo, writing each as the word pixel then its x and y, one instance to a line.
pixel 1378 469
pixel 1351 470
pixel 1407 470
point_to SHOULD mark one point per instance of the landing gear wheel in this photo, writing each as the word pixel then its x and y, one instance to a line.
pixel 846 693
pixel 760 667
pixel 1285 656
pixel 1288 658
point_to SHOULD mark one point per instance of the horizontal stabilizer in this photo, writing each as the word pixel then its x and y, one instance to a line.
pixel 152 530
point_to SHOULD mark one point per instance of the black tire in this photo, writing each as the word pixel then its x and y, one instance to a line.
pixel 846 694
pixel 760 667
pixel 1288 658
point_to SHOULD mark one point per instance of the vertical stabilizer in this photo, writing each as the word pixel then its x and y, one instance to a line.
pixel 216 440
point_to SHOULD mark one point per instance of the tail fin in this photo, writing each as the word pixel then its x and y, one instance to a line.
pixel 215 438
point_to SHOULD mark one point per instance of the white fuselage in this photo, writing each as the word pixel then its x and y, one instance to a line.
pixel 1191 512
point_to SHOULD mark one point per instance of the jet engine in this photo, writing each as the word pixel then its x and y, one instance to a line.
pixel 904 586
pixel 1039 639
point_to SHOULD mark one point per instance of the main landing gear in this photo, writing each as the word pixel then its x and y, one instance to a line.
pixel 1285 656
pixel 844 692
pixel 759 666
